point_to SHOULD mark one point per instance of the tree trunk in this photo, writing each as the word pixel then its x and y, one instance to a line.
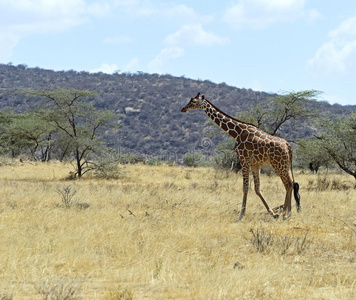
pixel 79 166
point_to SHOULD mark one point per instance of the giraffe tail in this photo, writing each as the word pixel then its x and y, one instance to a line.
pixel 295 184
pixel 296 195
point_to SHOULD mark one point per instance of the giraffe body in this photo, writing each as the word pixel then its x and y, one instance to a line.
pixel 254 148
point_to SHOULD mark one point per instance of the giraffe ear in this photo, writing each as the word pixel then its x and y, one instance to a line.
pixel 197 96
pixel 203 97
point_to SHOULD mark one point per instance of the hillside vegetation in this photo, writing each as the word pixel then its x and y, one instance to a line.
pixel 150 106
pixel 163 232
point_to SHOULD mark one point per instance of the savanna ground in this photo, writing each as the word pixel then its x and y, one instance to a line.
pixel 162 232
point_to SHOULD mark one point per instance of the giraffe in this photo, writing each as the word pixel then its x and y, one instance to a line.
pixel 254 148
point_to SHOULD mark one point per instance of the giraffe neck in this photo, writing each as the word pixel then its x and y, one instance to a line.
pixel 229 124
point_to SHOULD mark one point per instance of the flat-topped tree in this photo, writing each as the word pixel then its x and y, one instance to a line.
pixel 78 121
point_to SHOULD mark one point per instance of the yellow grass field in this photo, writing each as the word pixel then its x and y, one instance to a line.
pixel 162 232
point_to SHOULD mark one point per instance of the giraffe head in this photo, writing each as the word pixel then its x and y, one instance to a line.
pixel 194 103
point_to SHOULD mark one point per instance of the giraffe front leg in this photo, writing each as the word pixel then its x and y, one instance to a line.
pixel 256 181
pixel 287 207
pixel 283 172
pixel 245 175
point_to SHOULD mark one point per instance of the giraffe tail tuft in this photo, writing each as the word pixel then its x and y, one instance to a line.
pixel 296 195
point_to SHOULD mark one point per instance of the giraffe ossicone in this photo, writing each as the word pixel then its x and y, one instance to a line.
pixel 254 148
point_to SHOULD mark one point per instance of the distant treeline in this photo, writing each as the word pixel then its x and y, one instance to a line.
pixel 149 105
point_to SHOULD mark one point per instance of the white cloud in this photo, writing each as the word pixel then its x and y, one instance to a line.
pixel 191 33
pixel 36 15
pixel 313 15
pixel 194 34
pixel 258 14
pixel 132 66
pixel 106 68
pixel 8 42
pixel 338 54
pixel 25 17
pixel 187 34
pixel 145 8
pixel 346 29
pixel 140 8
pixel 180 11
pixel 160 63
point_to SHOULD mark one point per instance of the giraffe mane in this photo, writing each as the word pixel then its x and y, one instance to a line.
pixel 232 118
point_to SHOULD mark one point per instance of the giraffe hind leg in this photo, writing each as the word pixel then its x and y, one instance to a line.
pixel 282 171
pixel 288 184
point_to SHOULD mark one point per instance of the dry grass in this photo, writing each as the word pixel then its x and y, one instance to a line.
pixel 171 233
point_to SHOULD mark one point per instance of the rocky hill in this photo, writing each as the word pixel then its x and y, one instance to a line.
pixel 152 123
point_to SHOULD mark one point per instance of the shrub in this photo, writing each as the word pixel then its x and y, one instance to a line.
pixel 265 242
pixel 67 196
pixel 261 240
pixel 67 193
pixel 192 159
pixel 58 289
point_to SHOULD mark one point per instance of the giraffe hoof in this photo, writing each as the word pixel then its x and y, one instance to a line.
pixel 286 216
pixel 278 209
pixel 239 218
pixel 274 214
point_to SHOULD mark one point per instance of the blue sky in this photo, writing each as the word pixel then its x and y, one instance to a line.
pixel 266 45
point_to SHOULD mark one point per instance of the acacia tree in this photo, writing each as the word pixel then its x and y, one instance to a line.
pixel 25 133
pixel 312 155
pixel 78 123
pixel 339 141
pixel 271 115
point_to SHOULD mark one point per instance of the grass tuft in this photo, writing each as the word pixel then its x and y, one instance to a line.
pixel 60 288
